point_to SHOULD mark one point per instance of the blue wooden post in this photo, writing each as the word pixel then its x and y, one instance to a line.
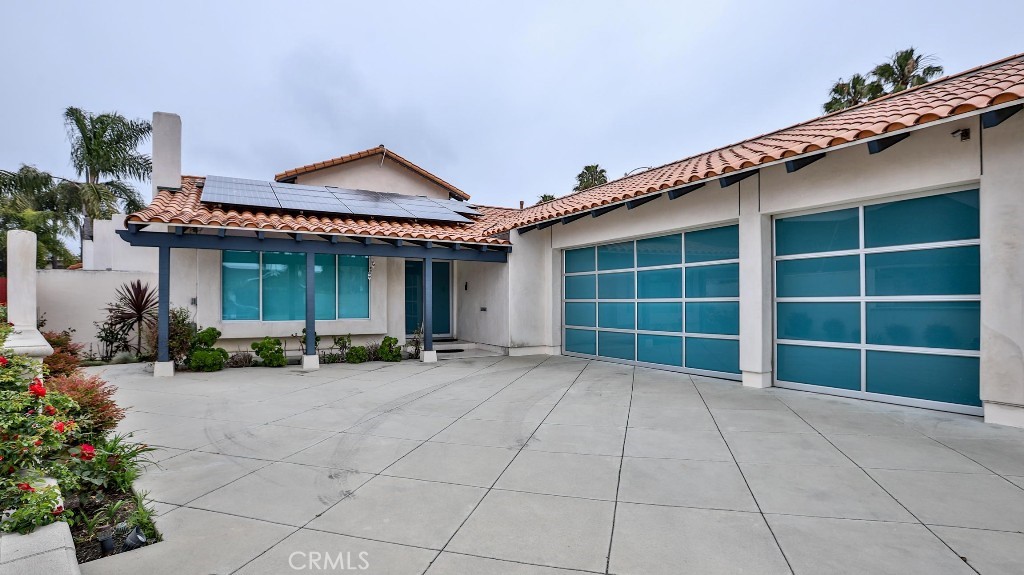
pixel 428 304
pixel 164 305
pixel 310 303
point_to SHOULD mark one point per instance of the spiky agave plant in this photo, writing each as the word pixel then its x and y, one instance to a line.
pixel 134 308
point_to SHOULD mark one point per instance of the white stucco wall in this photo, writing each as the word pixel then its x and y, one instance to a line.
pixel 77 298
pixel 107 251
pixel 534 313
pixel 370 174
pixel 482 302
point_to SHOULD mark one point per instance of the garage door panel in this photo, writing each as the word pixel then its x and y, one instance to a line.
pixel 643 301
pixel 944 378
pixel 908 282
pixel 824 366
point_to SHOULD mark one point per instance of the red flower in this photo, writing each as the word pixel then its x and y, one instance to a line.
pixel 3 361
pixel 50 410
pixel 26 487
pixel 58 510
pixel 39 442
pixel 37 389
pixel 30 412
pixel 59 426
pixel 87 452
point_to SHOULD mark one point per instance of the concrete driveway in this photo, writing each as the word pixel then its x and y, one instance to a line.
pixel 554 465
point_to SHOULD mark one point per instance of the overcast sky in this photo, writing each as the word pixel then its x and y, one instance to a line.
pixel 505 100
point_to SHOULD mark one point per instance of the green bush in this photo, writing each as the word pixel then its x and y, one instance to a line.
pixel 389 350
pixel 213 359
pixel 331 357
pixel 357 354
pixel 270 352
pixel 206 338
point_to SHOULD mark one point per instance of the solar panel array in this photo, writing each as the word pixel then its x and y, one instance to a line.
pixel 332 200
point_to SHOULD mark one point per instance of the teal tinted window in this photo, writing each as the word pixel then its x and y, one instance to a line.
pixel 240 285
pixel 580 287
pixel 581 260
pixel 713 354
pixel 581 341
pixel 659 316
pixel 714 244
pixel 660 251
pixel 326 278
pixel 824 232
pixel 713 317
pixel 663 349
pixel 616 315
pixel 616 344
pixel 284 286
pixel 819 321
pixel 942 218
pixel 580 313
pixel 945 271
pixel 945 324
pixel 825 366
pixel 354 288
pixel 615 256
pixel 615 286
pixel 818 277
pixel 713 281
pixel 667 283
pixel 946 378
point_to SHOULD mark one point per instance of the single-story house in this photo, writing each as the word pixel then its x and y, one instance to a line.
pixel 876 252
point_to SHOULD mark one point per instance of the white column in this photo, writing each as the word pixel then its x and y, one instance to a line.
pixel 166 151
pixel 755 288
pixel 21 295
pixel 1002 273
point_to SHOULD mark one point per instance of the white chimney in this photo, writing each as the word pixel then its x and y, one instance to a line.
pixel 166 151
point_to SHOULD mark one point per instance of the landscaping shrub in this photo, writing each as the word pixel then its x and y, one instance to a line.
pixel 66 355
pixel 134 309
pixel 181 331
pixel 331 357
pixel 373 351
pixel 270 352
pixel 124 357
pixel 241 359
pixel 343 342
pixel 113 338
pixel 357 354
pixel 96 411
pixel 389 350
pixel 208 359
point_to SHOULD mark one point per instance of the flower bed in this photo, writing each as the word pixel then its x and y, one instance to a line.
pixel 60 460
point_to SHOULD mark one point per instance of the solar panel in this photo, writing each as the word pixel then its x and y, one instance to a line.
pixel 331 200
pixel 236 191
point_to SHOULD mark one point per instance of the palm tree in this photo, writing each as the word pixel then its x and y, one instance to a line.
pixel 906 69
pixel 104 151
pixel 591 176
pixel 33 200
pixel 545 198
pixel 856 90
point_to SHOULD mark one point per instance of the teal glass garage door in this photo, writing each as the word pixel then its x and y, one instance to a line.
pixel 670 301
pixel 882 301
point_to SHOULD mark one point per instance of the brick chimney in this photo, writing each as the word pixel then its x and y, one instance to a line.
pixel 166 151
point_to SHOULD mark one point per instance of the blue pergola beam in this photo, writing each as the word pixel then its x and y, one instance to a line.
pixel 731 179
pixel 995 117
pixel 428 304
pixel 801 163
pixel 163 302
pixel 680 192
pixel 631 204
pixel 883 144
pixel 496 254
pixel 310 303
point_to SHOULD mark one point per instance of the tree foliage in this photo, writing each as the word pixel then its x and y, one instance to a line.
pixel 593 175
pixel 904 69
pixel 33 200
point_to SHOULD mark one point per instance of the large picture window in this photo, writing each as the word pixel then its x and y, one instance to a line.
pixel 271 286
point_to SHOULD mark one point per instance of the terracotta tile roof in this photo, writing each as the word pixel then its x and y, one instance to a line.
pixel 978 88
pixel 379 150
pixel 184 207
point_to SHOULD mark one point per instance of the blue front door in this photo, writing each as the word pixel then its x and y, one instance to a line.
pixel 442 304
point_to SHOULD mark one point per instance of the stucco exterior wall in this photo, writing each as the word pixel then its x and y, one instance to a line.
pixel 77 298
pixel 482 302
pixel 107 251
pixel 370 174
pixel 534 298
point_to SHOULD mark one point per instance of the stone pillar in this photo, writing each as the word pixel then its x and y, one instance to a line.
pixel 21 295
pixel 1002 272
pixel 755 287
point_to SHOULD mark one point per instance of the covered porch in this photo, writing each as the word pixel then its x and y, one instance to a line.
pixel 310 247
